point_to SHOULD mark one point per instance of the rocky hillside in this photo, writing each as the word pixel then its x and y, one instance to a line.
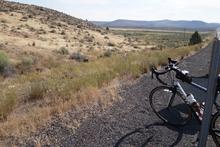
pixel 46 15
pixel 46 31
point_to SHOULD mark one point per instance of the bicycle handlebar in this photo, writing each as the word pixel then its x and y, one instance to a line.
pixel 172 65
pixel 157 74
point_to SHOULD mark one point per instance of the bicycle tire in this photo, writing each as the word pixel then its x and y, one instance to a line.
pixel 178 113
pixel 215 128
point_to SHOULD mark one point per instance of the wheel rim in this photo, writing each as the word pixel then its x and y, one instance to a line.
pixel 178 113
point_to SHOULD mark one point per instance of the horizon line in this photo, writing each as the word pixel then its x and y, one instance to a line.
pixel 152 20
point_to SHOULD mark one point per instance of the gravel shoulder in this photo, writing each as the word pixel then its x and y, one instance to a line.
pixel 129 122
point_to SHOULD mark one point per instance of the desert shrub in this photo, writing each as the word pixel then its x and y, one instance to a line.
pixel 31 29
pixel 63 51
pixel 25 65
pixel 26 35
pixel 89 38
pixel 30 16
pixel 135 46
pixel 79 26
pixel 59 24
pixel 53 31
pixel 79 57
pixel 103 33
pixel 33 44
pixel 106 37
pixel 7 102
pixel 9 71
pixel 36 90
pixel 41 31
pixel 4 61
pixel 24 18
pixel 195 38
pixel 63 32
pixel 27 61
pixel 3 21
pixel 111 44
pixel 108 53
pixel 98 30
pixel 52 27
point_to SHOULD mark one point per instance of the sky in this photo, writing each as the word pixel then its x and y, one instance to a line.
pixel 108 10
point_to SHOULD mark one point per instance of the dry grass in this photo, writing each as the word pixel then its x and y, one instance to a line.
pixel 7 103
pixel 4 61
pixel 70 86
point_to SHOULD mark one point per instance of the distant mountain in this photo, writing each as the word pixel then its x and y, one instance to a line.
pixel 158 24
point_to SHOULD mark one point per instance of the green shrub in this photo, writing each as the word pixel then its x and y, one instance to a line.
pixel 27 61
pixel 63 51
pixel 195 38
pixel 4 61
pixel 79 57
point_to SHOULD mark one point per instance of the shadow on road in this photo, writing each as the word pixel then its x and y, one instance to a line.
pixel 148 135
pixel 137 131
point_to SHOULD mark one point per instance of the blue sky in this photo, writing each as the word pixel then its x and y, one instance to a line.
pixel 206 10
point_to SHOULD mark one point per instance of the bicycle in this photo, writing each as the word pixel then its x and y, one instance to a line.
pixel 174 106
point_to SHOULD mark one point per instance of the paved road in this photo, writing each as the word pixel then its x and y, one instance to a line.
pixel 131 122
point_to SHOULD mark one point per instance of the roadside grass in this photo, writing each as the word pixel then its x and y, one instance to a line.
pixel 4 61
pixel 64 87
pixel 7 103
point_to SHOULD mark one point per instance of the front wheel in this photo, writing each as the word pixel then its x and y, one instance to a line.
pixel 169 105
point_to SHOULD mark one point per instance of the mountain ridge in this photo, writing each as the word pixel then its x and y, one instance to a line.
pixel 166 23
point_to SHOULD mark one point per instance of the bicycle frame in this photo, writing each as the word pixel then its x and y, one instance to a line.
pixel 182 91
pixel 177 85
